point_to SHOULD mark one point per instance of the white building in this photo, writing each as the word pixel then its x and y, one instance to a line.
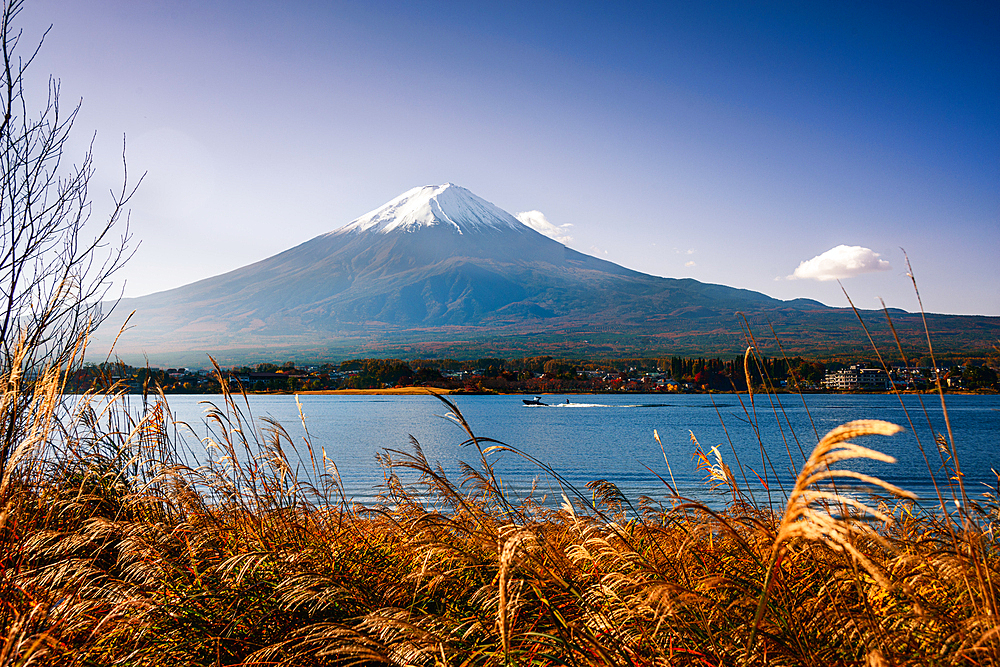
pixel 865 379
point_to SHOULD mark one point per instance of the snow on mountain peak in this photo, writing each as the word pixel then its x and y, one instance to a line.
pixel 433 205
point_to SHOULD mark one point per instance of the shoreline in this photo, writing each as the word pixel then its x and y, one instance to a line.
pixel 389 391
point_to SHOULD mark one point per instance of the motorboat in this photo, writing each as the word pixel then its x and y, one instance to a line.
pixel 537 401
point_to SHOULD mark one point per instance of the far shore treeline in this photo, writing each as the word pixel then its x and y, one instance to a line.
pixel 542 374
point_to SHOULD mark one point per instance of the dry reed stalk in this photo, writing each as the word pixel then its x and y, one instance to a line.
pixel 746 371
pixel 22 645
pixel 508 553
pixel 803 519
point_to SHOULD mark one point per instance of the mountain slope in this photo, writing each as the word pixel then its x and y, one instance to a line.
pixel 435 263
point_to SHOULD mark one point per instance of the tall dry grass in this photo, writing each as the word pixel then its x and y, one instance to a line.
pixel 115 549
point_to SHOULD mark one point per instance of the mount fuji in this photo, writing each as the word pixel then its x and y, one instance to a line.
pixel 438 270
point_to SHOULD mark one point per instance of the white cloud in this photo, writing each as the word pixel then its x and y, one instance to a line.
pixel 844 261
pixel 689 264
pixel 537 221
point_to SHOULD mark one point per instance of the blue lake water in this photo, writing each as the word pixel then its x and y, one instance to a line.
pixel 611 436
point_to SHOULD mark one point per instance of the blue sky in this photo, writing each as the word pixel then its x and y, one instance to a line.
pixel 727 142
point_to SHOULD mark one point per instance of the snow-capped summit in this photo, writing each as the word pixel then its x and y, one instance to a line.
pixel 432 205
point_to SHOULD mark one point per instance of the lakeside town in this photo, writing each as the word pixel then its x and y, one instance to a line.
pixel 541 375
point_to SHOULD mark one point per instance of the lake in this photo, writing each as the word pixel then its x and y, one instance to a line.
pixel 611 436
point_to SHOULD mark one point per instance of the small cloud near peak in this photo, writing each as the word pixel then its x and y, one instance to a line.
pixel 844 261
pixel 537 221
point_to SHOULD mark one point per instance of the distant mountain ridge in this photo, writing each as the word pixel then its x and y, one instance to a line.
pixel 439 268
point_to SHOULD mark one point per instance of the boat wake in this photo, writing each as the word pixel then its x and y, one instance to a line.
pixel 601 405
